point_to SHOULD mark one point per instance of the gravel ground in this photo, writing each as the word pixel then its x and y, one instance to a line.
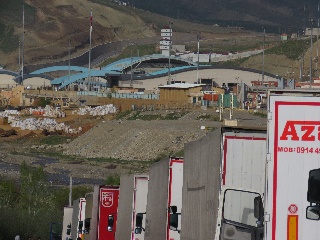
pixel 148 140
pixel 136 140
pixel 133 146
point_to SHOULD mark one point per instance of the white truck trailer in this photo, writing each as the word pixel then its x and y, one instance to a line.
pixel 67 220
pixel 242 183
pixel 78 217
pixel 288 207
pixel 292 207
pixel 132 207
pixel 163 216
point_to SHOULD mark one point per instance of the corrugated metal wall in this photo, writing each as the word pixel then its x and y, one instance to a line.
pixel 125 207
pixel 201 184
pixel 156 217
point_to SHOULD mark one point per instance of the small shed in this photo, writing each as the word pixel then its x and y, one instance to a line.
pixel 182 92
pixel 284 37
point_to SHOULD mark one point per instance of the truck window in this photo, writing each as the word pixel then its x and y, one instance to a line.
pixel 314 186
pixel 239 207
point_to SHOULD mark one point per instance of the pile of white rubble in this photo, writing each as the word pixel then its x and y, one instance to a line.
pixel 96 111
pixel 48 111
pixel 7 113
pixel 43 124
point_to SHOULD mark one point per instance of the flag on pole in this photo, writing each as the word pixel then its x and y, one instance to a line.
pixel 91 20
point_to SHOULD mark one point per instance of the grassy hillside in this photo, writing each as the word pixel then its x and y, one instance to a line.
pixel 51 24
pixel 11 18
pixel 287 59
pixel 159 21
pixel 8 40
pixel 251 14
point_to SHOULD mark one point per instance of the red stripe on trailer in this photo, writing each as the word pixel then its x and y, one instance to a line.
pixel 275 171
pixel 178 160
pixel 245 138
pixel 224 161
pixel 275 160
pixel 225 147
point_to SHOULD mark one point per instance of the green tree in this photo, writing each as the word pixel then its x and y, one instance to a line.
pixel 43 102
pixel 113 180
pixel 34 190
pixel 8 193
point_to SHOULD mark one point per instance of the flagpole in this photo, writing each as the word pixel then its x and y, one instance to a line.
pixel 69 67
pixel 22 58
pixel 89 69
pixel 317 42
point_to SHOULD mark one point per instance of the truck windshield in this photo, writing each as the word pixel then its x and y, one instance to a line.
pixel 239 207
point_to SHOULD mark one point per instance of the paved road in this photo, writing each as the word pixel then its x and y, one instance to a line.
pixel 101 52
pixel 62 178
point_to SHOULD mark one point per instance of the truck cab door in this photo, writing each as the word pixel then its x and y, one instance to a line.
pixel 241 219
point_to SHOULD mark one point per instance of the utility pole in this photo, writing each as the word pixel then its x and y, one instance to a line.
pixel 22 58
pixel 70 191
pixel 198 40
pixel 317 42
pixel 170 41
pixel 69 66
pixel 131 71
pixel 89 67
pixel 19 55
pixel 312 21
pixel 264 36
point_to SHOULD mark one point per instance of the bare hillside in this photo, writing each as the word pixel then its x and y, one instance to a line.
pixel 56 22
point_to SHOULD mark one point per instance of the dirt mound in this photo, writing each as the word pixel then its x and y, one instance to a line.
pixel 7 133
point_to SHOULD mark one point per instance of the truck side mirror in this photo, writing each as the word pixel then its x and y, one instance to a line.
pixel 87 225
pixel 313 212
pixel 110 223
pixel 313 195
pixel 138 230
pixel 174 220
pixel 258 208
pixel 173 209
pixel 139 218
pixel 69 229
pixel 80 226
pixel 139 227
